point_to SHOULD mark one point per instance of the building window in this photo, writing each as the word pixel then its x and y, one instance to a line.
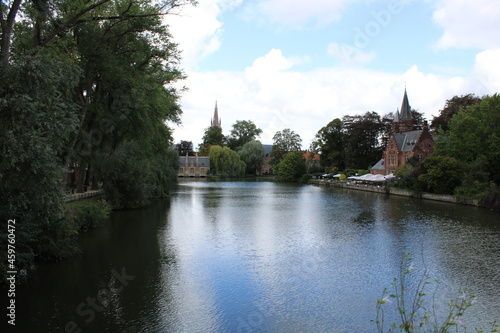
pixel 406 157
pixel 420 157
pixel 392 159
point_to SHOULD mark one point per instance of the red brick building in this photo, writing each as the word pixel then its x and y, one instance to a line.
pixel 405 142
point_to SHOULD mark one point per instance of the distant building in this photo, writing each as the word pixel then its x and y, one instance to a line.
pixel 266 167
pixel 405 142
pixel 194 166
pixel 216 121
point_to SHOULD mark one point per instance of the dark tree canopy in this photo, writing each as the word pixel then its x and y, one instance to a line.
pixel 329 143
pixel 185 147
pixel 451 108
pixel 362 144
pixel 82 83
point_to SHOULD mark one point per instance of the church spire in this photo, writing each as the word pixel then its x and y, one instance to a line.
pixel 216 121
pixel 405 108
pixel 396 117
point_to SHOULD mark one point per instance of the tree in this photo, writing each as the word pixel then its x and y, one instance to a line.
pixel 185 147
pixel 474 132
pixel 362 145
pixel 128 177
pixel 284 142
pixel 252 153
pixel 329 143
pixel 451 108
pixel 37 118
pixel 226 162
pixel 243 132
pixel 79 80
pixel 213 137
pixel 291 167
pixel 443 174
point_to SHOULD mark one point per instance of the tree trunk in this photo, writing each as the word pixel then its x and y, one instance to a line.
pixel 7 28
pixel 80 178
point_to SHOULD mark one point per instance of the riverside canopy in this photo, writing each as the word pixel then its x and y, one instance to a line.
pixel 373 178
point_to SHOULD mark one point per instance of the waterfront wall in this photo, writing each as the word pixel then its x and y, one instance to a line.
pixel 80 196
pixel 395 191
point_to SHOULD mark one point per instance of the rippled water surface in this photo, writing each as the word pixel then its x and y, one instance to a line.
pixel 264 257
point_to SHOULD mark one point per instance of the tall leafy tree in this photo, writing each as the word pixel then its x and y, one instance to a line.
pixel 284 142
pixel 451 108
pixel 329 143
pixel 243 131
pixel 474 133
pixel 37 118
pixel 362 144
pixel 213 137
pixel 185 148
pixel 79 79
pixel 252 153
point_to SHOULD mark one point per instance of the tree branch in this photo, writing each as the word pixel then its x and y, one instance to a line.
pixel 71 22
pixel 7 27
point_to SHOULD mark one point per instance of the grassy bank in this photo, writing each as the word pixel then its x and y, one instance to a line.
pixel 88 213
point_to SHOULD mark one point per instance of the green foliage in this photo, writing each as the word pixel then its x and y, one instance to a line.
pixel 329 143
pixel 128 178
pixel 451 108
pixel 243 132
pixel 38 117
pixel 131 178
pixel 362 146
pixel 407 177
pixel 352 142
pixel 252 153
pixel 88 213
pixel 474 131
pixel 305 178
pixel 226 162
pixel 213 137
pixel 291 167
pixel 79 83
pixel 185 148
pixel 415 315
pixel 284 142
pixel 443 174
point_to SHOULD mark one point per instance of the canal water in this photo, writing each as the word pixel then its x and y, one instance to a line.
pixel 265 257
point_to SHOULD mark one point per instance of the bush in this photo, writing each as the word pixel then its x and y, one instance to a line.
pixel 291 167
pixel 443 174
pixel 89 213
pixel 305 178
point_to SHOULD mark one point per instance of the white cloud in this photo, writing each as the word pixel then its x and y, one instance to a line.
pixel 297 13
pixel 349 55
pixel 487 71
pixel 468 23
pixel 198 29
pixel 275 96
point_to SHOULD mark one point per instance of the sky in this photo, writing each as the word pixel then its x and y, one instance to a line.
pixel 300 64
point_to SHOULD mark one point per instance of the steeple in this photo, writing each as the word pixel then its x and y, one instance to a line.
pixel 405 108
pixel 396 117
pixel 216 121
